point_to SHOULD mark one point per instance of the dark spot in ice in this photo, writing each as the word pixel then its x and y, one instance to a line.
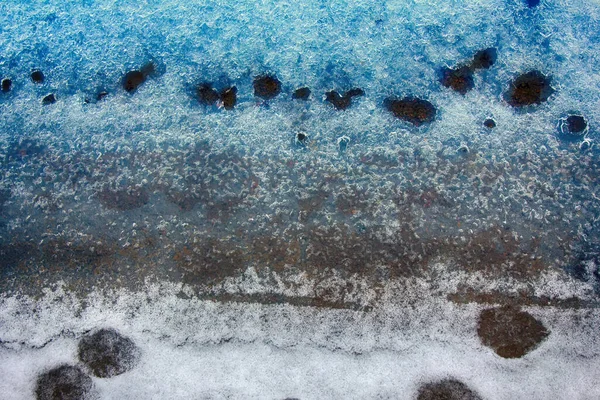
pixel 458 79
pixel 411 109
pixel 301 94
pixel 509 332
pixel 132 80
pixel 6 85
pixel 266 86
pixel 229 98
pixel 300 139
pixel 101 95
pixel 37 76
pixel 527 89
pixel 49 99
pixel 489 123
pixel 484 59
pixel 64 383
pixel 124 199
pixel 447 389
pixel 576 123
pixel 207 95
pixel 107 353
pixel 342 102
pixel 532 3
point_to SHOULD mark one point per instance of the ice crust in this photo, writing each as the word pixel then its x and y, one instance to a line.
pixel 391 334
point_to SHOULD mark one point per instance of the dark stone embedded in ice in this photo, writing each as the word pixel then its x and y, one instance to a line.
pixel 342 102
pixel 489 123
pixel 576 124
pixel 123 199
pixel 458 79
pixel 411 109
pixel 207 95
pixel 484 59
pixel 107 353
pixel 511 333
pixel 300 139
pixel 447 389
pixel 301 94
pixel 64 383
pixel 37 76
pixel 229 98
pixel 6 85
pixel 532 3
pixel 266 87
pixel 133 80
pixel 527 89
pixel 49 99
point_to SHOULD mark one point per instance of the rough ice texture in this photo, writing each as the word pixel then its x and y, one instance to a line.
pixel 359 273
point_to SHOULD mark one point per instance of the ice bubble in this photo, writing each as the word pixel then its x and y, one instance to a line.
pixel 65 382
pixel 107 353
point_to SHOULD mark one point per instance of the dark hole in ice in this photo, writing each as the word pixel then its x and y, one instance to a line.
pixel 229 98
pixel 101 95
pixel 511 333
pixel 342 102
pixel 207 95
pixel 37 76
pixel 489 123
pixel 484 59
pixel 532 3
pixel 576 123
pixel 107 353
pixel 63 383
pixel 411 109
pixel 266 86
pixel 447 389
pixel 49 99
pixel 301 140
pixel 123 199
pixel 301 94
pixel 133 80
pixel 458 79
pixel 6 85
pixel 527 89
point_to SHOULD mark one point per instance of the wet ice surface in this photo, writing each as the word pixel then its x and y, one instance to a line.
pixel 162 177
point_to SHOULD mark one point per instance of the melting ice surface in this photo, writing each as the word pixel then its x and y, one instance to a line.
pixel 266 245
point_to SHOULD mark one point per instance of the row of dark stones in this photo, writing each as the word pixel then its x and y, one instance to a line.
pixel 511 333
pixel 527 89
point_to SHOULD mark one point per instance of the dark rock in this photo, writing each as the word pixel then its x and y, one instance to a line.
pixel 207 95
pixel 301 94
pixel 49 99
pixel 489 123
pixel 509 332
pixel 342 102
pixel 411 109
pixel 6 85
pixel 133 80
pixel 64 383
pixel 37 76
pixel 527 89
pixel 229 97
pixel 300 139
pixel 266 87
pixel 458 79
pixel 447 389
pixel 107 353
pixel 576 123
pixel 484 59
